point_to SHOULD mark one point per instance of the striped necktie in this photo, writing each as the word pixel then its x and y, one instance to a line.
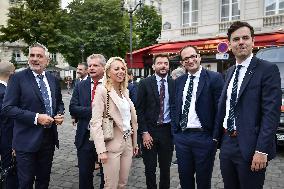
pixel 233 100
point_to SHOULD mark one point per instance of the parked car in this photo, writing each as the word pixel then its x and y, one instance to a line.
pixel 276 56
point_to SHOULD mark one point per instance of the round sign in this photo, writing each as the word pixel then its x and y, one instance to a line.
pixel 222 47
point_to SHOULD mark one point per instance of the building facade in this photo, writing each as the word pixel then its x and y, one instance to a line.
pixel 204 24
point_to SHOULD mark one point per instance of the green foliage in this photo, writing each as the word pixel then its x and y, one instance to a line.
pixel 33 21
pixel 148 25
pixel 98 25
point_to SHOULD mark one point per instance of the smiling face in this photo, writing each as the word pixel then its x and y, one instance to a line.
pixel 117 72
pixel 38 60
pixel 190 60
pixel 95 69
pixel 241 43
pixel 81 71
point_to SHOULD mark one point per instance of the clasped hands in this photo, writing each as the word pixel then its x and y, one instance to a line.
pixel 45 120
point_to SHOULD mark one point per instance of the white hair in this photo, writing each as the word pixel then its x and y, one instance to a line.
pixel 99 56
pixel 41 46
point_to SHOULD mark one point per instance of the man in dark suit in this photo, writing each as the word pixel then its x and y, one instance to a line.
pixel 6 126
pixel 132 87
pixel 248 113
pixel 81 108
pixel 154 111
pixel 197 94
pixel 33 100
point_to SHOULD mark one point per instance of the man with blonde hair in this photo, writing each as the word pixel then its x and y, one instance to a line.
pixel 6 126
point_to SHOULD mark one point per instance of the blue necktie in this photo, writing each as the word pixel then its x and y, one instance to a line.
pixel 233 100
pixel 184 116
pixel 44 94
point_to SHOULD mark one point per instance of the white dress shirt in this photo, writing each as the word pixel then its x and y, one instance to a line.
pixel 48 90
pixel 124 109
pixel 245 64
pixel 192 119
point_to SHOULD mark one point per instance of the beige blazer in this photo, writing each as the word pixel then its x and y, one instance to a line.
pixel 98 108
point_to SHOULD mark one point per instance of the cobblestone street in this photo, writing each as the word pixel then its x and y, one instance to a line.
pixel 65 175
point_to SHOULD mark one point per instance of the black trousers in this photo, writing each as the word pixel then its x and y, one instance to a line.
pixel 162 150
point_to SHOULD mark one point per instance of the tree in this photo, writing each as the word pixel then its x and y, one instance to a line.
pixel 33 21
pixel 147 27
pixel 98 25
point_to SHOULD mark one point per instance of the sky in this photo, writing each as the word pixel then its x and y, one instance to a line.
pixel 65 3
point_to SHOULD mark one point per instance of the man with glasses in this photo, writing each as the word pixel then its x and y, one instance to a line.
pixel 196 102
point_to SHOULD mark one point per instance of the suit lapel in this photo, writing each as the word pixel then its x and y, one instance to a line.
pixel 115 99
pixel 201 83
pixel 180 92
pixel 87 90
pixel 249 73
pixel 155 88
pixel 34 84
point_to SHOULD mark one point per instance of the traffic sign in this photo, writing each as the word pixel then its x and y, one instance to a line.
pixel 222 56
pixel 223 47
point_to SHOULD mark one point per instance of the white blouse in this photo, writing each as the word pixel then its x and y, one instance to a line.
pixel 124 109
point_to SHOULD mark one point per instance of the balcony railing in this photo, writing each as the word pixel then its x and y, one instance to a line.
pixel 274 20
pixel 189 31
pixel 223 26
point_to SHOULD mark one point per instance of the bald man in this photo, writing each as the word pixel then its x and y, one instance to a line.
pixel 6 126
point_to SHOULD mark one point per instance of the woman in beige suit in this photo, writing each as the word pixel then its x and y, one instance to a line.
pixel 116 154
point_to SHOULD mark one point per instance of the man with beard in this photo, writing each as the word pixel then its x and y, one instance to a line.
pixel 154 105
pixel 33 100
pixel 248 113
pixel 81 73
pixel 81 108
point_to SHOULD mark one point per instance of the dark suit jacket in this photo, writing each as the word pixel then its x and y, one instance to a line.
pixel 207 96
pixel 148 103
pixel 81 108
pixel 257 108
pixel 6 125
pixel 22 101
pixel 133 87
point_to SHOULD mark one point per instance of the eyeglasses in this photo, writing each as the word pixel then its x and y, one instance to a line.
pixel 194 56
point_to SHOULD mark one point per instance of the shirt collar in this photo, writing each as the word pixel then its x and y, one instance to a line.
pixel 158 78
pixel 100 80
pixel 196 74
pixel 84 78
pixel 246 62
pixel 35 74
pixel 3 82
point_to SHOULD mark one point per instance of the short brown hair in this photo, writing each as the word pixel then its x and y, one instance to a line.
pixel 160 55
pixel 238 24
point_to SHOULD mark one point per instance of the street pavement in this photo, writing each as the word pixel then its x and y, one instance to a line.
pixel 65 175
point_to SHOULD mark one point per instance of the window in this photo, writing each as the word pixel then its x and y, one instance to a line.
pixel 230 10
pixel 53 56
pixel 189 13
pixel 17 55
pixel 273 7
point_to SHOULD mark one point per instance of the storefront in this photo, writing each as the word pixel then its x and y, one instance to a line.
pixel 207 48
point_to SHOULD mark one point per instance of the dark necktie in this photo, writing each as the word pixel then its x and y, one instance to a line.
pixel 231 117
pixel 162 98
pixel 184 115
pixel 94 89
pixel 44 94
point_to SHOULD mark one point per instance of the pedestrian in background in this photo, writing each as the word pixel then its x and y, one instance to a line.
pixel 177 72
pixel 81 109
pixel 33 100
pixel 6 128
pixel 116 154
pixel 81 73
pixel 155 101
pixel 249 113
pixel 197 94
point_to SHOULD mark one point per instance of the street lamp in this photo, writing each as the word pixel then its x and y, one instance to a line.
pixel 82 52
pixel 130 6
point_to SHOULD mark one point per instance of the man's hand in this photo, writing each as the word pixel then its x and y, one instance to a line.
pixel 147 140
pixel 259 161
pixel 103 157
pixel 58 119
pixel 44 119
